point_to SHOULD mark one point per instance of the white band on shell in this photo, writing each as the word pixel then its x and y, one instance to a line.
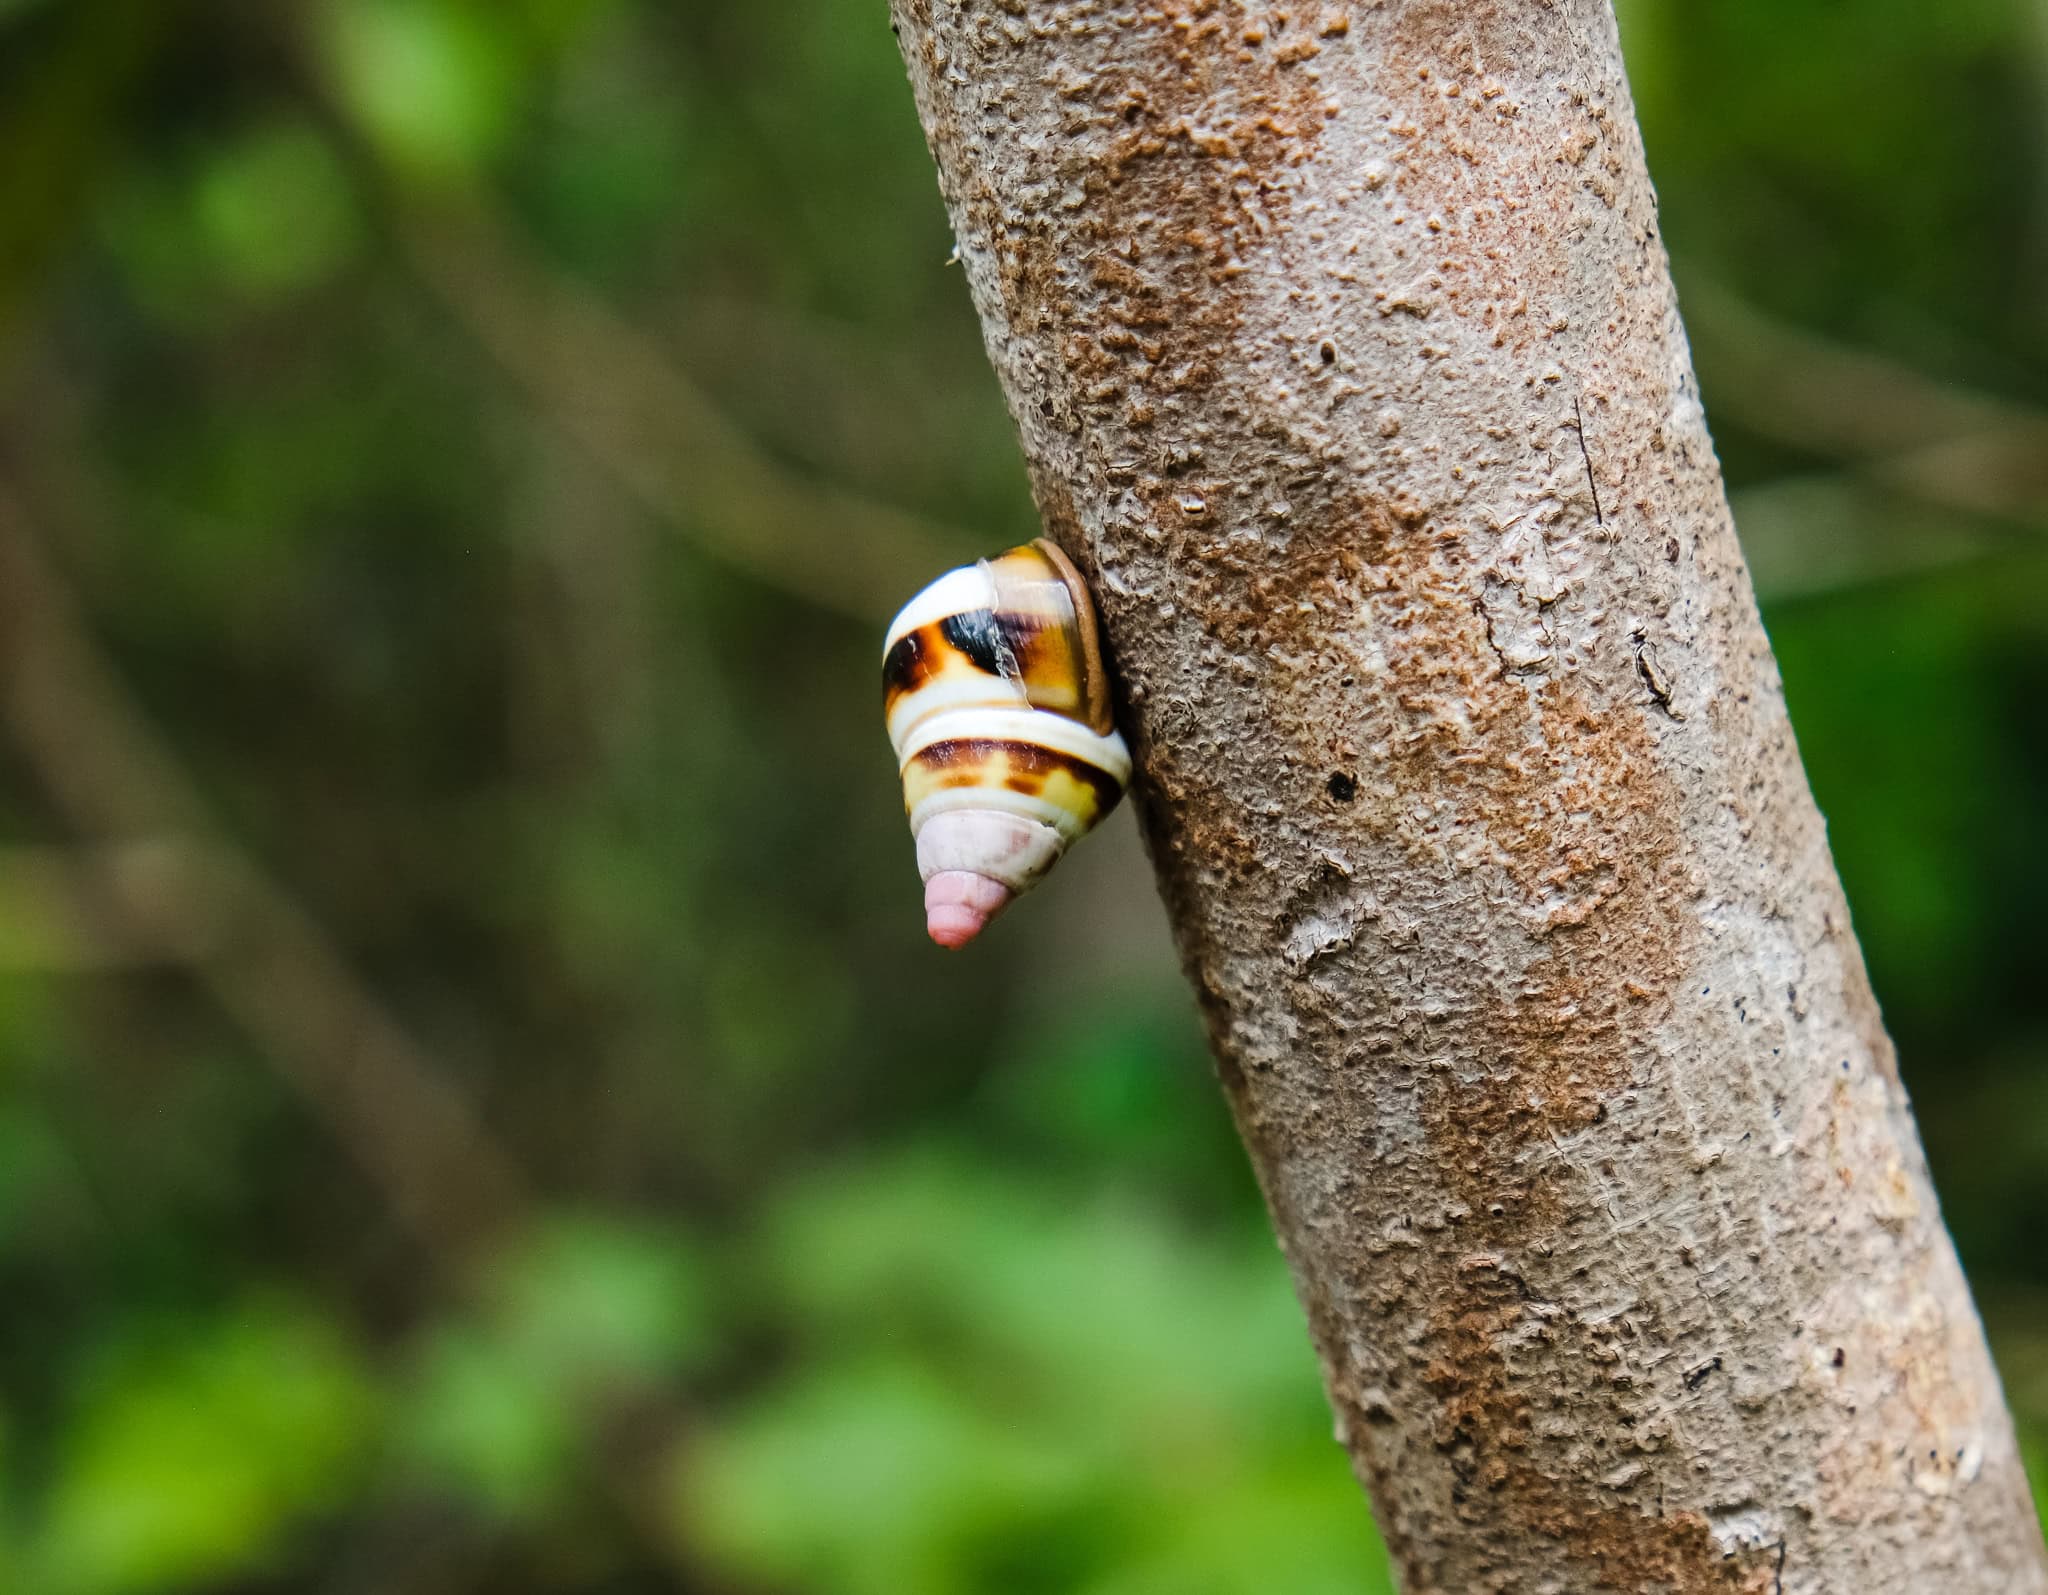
pixel 1003 847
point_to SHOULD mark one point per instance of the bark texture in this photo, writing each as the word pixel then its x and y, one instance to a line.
pixel 1346 359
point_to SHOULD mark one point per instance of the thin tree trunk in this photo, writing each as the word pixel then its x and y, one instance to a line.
pixel 1346 360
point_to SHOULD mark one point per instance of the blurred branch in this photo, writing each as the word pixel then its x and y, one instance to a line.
pixel 1911 433
pixel 1809 534
pixel 598 378
pixel 58 911
pixel 851 402
pixel 181 887
pixel 582 661
pixel 592 374
pixel 2002 473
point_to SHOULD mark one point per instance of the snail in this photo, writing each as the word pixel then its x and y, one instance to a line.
pixel 998 706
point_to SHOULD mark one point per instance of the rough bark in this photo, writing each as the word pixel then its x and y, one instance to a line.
pixel 1347 362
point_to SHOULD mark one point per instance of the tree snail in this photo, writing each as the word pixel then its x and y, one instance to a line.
pixel 998 705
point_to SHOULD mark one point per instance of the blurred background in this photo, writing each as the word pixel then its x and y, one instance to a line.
pixel 477 1108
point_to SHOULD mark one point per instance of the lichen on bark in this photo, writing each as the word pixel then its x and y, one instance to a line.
pixel 1343 349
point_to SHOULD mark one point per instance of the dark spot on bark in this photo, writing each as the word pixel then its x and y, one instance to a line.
pixel 1343 787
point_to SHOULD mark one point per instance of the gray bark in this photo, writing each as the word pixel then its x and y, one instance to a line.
pixel 1347 363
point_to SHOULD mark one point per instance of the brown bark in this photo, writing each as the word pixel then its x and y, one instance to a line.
pixel 1346 360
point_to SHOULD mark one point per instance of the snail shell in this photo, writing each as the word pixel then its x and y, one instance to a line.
pixel 999 710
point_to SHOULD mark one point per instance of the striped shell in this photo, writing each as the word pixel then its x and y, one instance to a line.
pixel 998 706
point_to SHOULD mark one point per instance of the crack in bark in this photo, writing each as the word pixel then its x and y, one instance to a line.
pixel 1652 674
pixel 1500 658
pixel 1585 454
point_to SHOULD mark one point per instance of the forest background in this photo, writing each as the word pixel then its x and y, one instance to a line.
pixel 477 1110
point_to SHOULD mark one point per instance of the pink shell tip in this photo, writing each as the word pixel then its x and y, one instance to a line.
pixel 957 905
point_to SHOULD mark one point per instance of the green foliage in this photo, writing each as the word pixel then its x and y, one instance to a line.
pixel 845 1266
pixel 498 1400
pixel 435 85
pixel 194 1450
pixel 1000 1384
pixel 246 225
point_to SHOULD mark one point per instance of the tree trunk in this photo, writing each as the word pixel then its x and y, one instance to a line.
pixel 1347 362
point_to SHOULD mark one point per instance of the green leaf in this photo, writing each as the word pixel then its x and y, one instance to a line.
pixel 589 1302
pixel 872 1479
pixel 276 211
pixel 246 222
pixel 194 1454
pixel 581 1311
pixel 475 1422
pixel 1004 1385
pixel 434 85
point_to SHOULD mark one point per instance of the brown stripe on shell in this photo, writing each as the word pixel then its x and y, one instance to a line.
pixel 971 641
pixel 964 761
pixel 909 666
pixel 1040 635
pixel 1034 653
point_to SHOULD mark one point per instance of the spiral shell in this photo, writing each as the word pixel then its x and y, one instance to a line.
pixel 999 710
